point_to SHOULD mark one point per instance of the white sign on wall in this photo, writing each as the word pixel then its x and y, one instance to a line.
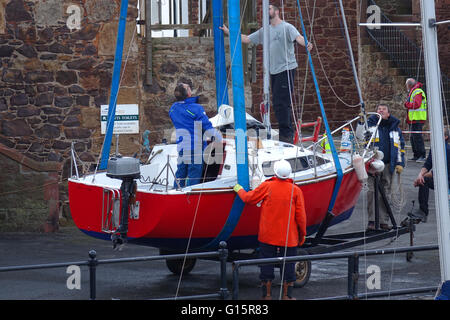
pixel 126 120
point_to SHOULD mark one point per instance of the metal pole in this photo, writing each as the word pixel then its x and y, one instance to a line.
pixel 148 42
pixel 433 74
pixel 266 72
pixel 223 270
pixel 167 172
pixel 390 24
pixel 235 288
pixel 376 202
pixel 353 275
pixel 352 59
pixel 92 273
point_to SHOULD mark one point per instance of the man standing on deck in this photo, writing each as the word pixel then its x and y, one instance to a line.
pixel 282 225
pixel 283 65
pixel 191 122
pixel 417 115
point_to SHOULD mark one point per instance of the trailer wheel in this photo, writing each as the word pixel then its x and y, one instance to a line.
pixel 302 271
pixel 409 256
pixel 176 266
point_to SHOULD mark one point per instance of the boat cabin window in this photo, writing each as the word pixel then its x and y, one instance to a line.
pixel 297 164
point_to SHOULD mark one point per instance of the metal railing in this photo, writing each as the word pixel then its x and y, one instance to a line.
pixel 405 53
pixel 222 255
pixel 93 263
pixel 353 271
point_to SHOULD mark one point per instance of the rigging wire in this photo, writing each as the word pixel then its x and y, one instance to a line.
pixel 300 115
pixel 117 94
pixel 283 268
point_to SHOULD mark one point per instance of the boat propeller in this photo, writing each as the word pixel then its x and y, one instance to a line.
pixel 127 170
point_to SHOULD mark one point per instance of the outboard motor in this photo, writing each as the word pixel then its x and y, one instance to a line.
pixel 125 169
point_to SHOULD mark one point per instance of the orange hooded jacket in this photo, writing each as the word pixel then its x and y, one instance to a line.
pixel 275 221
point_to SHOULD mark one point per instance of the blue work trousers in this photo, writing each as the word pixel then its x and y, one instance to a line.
pixel 187 173
pixel 270 251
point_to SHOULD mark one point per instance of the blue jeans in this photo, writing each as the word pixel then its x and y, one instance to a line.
pixel 270 251
pixel 187 173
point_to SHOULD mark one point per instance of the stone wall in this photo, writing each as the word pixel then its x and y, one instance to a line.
pixel 53 80
pixel 29 193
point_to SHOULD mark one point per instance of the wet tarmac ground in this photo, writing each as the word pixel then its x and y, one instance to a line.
pixel 152 279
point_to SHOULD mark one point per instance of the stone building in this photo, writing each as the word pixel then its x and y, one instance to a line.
pixel 56 73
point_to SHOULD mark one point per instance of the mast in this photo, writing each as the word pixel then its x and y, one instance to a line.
pixel 352 59
pixel 219 55
pixel 237 76
pixel 114 84
pixel 266 73
pixel 433 74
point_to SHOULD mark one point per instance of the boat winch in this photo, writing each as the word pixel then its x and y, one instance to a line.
pixel 127 170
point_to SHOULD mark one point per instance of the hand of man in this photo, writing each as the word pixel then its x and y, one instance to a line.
pixel 429 174
pixel 310 46
pixel 301 241
pixel 225 30
pixel 361 118
pixel 237 187
pixel 419 181
pixel 398 169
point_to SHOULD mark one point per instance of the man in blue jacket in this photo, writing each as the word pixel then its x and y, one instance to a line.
pixel 389 140
pixel 425 181
pixel 191 123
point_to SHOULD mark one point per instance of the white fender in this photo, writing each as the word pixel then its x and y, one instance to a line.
pixel 377 165
pixel 360 169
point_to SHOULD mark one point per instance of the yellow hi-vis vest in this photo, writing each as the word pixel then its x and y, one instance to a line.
pixel 421 113
pixel 325 145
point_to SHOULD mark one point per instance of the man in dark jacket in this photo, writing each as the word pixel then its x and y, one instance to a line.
pixel 191 122
pixel 425 182
pixel 389 140
pixel 416 117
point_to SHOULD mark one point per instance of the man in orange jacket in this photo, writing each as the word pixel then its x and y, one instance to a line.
pixel 282 224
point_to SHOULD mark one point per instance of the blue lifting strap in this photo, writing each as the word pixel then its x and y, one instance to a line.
pixel 114 84
pixel 239 123
pixel 337 164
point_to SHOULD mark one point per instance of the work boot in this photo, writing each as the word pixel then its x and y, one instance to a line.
pixel 287 291
pixel 266 287
pixel 417 216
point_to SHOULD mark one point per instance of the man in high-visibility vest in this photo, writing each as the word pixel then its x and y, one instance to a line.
pixel 417 115
pixel 325 145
